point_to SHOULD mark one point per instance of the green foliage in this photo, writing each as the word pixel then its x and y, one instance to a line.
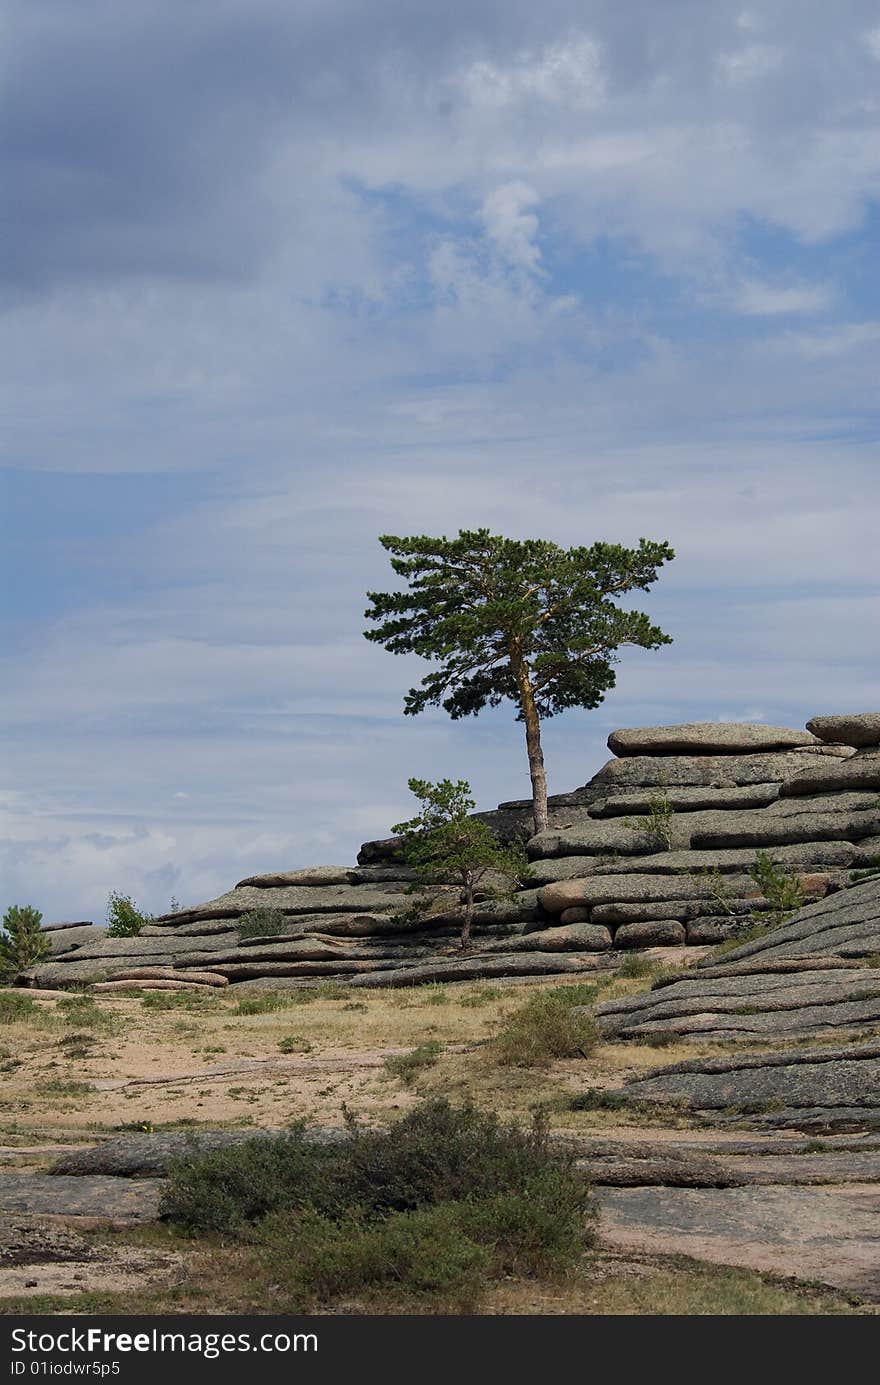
pixel 784 893
pixel 514 620
pixel 263 923
pixel 294 1043
pixel 408 1066
pixel 444 842
pixel 84 1012
pixel 634 967
pixel 479 601
pixel 16 1006
pixel 658 822
pixel 21 943
pixel 542 1030
pixel 178 1000
pixel 442 1200
pixel 124 919
pixel 424 1253
pixel 263 1004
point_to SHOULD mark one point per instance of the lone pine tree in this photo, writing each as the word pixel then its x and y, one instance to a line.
pixel 519 620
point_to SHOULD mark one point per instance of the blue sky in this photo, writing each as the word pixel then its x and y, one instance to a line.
pixel 280 278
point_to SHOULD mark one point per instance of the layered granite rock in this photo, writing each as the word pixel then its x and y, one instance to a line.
pixel 657 849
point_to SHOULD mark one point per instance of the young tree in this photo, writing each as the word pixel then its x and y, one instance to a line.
pixel 520 620
pixel 22 943
pixel 443 842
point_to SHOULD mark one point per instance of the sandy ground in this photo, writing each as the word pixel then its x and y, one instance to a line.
pixel 74 1074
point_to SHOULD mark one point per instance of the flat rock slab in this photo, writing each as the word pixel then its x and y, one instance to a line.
pixel 791 1084
pixel 824 1234
pixel 706 738
pixel 859 773
pixel 40 1256
pixel 853 728
pixel 112 1199
pixel 669 771
pixel 831 923
pixel 140 1155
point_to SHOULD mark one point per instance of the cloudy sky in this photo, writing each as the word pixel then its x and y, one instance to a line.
pixel 283 275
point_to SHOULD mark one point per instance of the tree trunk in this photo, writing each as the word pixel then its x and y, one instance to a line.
pixel 533 749
pixel 468 915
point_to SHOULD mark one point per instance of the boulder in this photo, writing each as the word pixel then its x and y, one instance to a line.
pixel 312 875
pixel 575 915
pixel 761 830
pixel 639 889
pixel 853 728
pixel 686 799
pixel 653 933
pixel 73 936
pixel 716 928
pixel 722 771
pixel 862 773
pixel 706 738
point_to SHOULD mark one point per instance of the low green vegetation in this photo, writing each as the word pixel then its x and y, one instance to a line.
pixel 784 892
pixel 124 918
pixel 22 943
pixel 437 1205
pixel 408 1066
pixel 16 1006
pixel 263 923
pixel 658 821
pixel 546 1028
pixel 445 843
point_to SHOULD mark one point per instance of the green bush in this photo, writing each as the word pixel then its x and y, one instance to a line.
pixel 431 1205
pixel 263 923
pixel 424 1253
pixel 82 1010
pixel 263 1004
pixel 407 1066
pixel 543 1030
pixel 784 893
pixel 634 967
pixel 16 1005
pixel 124 919
pixel 21 943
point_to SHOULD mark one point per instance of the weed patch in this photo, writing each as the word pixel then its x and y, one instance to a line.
pixel 408 1066
pixel 543 1030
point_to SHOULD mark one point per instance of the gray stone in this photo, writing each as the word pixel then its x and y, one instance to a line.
pixel 575 915
pixel 639 889
pixel 656 933
pixel 861 772
pixel 668 771
pixel 852 728
pixel 713 929
pixel 594 837
pixel 312 875
pixel 852 800
pixel 761 830
pixel 572 937
pixel 792 1080
pixel 686 799
pixel 111 1199
pixel 738 911
pixel 705 738
pixel 296 899
pixel 72 937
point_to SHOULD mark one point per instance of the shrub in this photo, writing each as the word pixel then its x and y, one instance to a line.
pixel 21 943
pixel 634 967
pixel 16 1006
pixel 407 1066
pixel 82 1011
pixel 263 923
pixel 784 893
pixel 658 822
pixel 263 1004
pixel 422 1253
pixel 124 919
pixel 435 1153
pixel 542 1030
pixel 294 1043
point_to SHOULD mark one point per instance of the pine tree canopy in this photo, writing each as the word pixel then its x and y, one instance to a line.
pixel 485 608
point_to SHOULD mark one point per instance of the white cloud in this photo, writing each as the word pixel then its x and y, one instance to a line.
pixel 757 299
pixel 566 73
pixel 511 227
pixel 750 64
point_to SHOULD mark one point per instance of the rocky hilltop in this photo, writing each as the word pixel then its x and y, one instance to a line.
pixel 655 850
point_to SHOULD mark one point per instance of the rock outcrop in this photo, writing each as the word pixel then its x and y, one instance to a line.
pixel 656 849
